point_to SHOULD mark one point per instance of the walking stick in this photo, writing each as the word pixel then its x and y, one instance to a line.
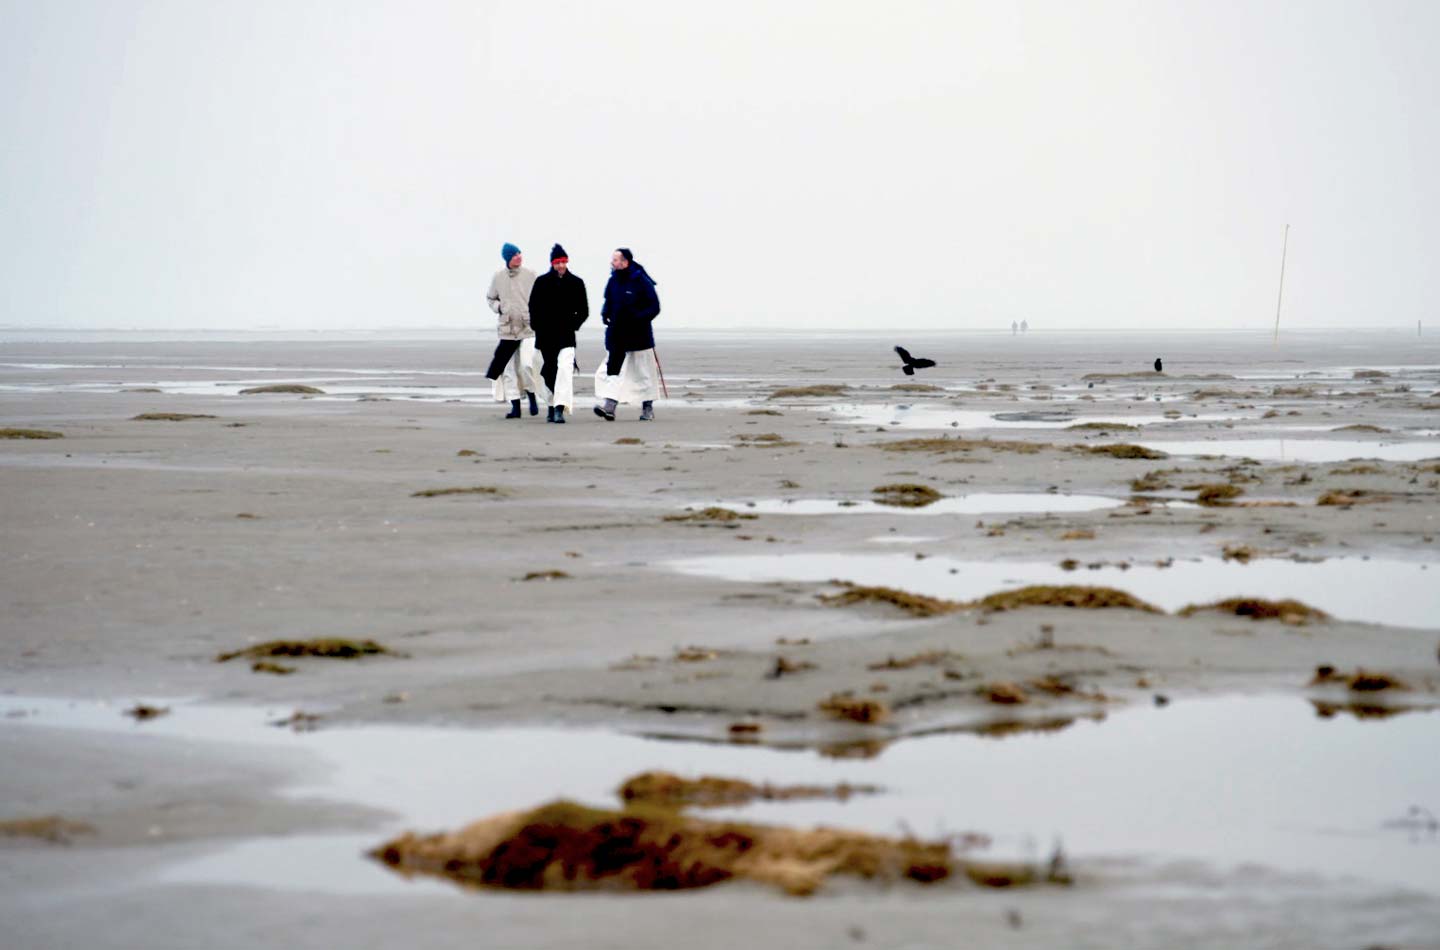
pixel 661 370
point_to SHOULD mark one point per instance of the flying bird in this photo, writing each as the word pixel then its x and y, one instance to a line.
pixel 911 363
pixel 1157 364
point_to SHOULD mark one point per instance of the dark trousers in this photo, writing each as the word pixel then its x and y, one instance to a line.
pixel 613 361
pixel 549 364
pixel 503 352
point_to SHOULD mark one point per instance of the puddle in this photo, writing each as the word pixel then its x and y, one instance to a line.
pixel 978 503
pixel 932 416
pixel 1302 450
pixel 1398 593
pixel 1228 782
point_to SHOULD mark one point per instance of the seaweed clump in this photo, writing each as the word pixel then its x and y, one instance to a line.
pixel 30 434
pixel 1287 611
pixel 292 388
pixel 1049 595
pixel 1361 681
pixel 551 575
pixel 1126 450
pixel 473 490
pixel 1346 498
pixel 50 828
pixel 330 647
pixel 668 790
pixel 570 847
pixel 906 495
pixel 917 605
pixel 169 416
pixel 947 444
pixel 1218 494
pixel 711 515
pixel 819 389
pixel 847 706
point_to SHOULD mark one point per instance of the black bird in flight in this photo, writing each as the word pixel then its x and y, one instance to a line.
pixel 911 363
pixel 1157 364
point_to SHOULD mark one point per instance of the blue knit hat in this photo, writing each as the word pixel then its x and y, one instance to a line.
pixel 508 251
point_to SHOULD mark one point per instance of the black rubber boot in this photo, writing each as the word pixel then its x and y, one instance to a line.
pixel 560 414
pixel 550 414
pixel 607 412
pixel 647 411
pixel 514 412
pixel 534 406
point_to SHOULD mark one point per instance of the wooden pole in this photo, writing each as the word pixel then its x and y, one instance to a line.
pixel 1285 246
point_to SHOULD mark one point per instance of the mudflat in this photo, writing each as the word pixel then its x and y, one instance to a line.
pixel 982 588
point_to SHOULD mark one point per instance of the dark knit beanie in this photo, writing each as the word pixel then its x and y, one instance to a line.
pixel 625 253
pixel 558 252
pixel 508 251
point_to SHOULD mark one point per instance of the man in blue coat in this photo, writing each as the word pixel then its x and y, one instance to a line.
pixel 630 371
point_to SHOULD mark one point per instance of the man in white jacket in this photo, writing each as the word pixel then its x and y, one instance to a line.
pixel 512 368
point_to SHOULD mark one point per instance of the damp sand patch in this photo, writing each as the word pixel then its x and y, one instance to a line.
pixel 1302 450
pixel 30 434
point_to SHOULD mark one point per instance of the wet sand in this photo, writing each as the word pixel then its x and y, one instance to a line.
pixel 136 551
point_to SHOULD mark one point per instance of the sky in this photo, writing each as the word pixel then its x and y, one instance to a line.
pixel 353 164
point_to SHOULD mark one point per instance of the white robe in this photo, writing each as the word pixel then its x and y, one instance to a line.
pixel 564 394
pixel 639 379
pixel 522 370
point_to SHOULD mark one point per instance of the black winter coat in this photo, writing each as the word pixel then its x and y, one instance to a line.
pixel 558 307
pixel 630 305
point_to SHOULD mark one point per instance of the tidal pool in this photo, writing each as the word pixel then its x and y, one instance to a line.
pixel 1230 782
pixel 933 416
pixel 976 503
pixel 1301 450
pixel 1398 593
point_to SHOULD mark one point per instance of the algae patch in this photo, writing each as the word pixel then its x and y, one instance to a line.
pixel 915 604
pixel 821 389
pixel 711 515
pixel 1126 450
pixel 1047 595
pixel 51 828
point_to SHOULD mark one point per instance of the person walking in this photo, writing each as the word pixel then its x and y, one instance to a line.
pixel 558 308
pixel 512 367
pixel 630 369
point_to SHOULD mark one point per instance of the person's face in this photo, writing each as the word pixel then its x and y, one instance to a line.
pixel 618 261
pixel 517 260
pixel 560 267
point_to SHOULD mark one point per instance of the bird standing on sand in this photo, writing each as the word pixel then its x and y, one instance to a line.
pixel 1158 367
pixel 911 363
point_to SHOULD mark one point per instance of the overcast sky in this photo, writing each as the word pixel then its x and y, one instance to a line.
pixel 350 164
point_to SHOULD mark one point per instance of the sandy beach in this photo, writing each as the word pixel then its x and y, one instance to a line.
pixel 578 614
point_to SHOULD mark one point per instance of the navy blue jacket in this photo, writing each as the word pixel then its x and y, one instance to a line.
pixel 630 305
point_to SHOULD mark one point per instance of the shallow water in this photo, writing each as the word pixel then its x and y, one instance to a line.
pixel 932 416
pixel 1223 781
pixel 971 504
pixel 1399 593
pixel 1301 450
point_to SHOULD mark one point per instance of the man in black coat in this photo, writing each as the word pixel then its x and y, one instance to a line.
pixel 631 370
pixel 558 307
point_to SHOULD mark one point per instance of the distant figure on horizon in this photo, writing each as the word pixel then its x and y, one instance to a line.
pixel 1024 326
pixel 630 368
pixel 558 307
pixel 1158 366
pixel 512 368
pixel 1014 328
